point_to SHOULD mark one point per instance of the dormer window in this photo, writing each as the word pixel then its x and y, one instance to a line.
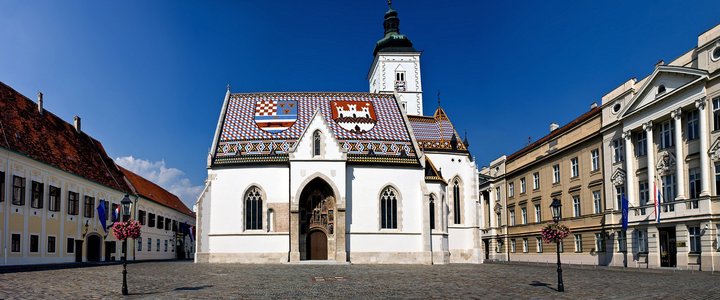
pixel 661 89
pixel 400 81
pixel 316 143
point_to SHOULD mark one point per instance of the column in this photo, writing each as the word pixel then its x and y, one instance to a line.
pixel 679 155
pixel 704 162
pixel 650 158
pixel 629 168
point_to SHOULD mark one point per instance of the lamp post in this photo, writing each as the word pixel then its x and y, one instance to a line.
pixel 555 208
pixel 126 203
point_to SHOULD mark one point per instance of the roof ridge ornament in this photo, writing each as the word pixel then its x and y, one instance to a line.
pixel 389 4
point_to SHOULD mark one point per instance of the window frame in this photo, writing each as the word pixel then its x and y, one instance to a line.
pixel 523 186
pixel 667 134
pixel 538 244
pixel 37 190
pixel 34 243
pixel 54 198
pixel 526 246
pixel 618 150
pixel 578 243
pixel 641 143
pixel 536 181
pixel 642 239
pixel 556 173
pixel 597 202
pixel 523 215
pixel 574 167
pixel 51 245
pixel 18 194
pixel 457 202
pixel 15 244
pixel 594 160
pixel 88 207
pixel 693 124
pixel 512 217
pixel 716 113
pixel 576 206
pixel 622 241
pixel 73 203
pixel 511 189
pixel 389 211
pixel 600 242
pixel 538 213
pixel 2 186
pixel 695 239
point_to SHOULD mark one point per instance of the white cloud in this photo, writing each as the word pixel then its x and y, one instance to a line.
pixel 171 179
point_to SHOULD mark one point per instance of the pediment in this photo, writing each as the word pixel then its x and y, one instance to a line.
pixel 618 177
pixel 330 147
pixel 714 151
pixel 662 83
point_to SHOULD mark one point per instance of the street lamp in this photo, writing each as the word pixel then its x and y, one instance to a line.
pixel 555 207
pixel 125 203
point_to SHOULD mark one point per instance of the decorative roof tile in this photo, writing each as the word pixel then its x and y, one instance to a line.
pixel 266 126
pixel 436 133
pixel 47 138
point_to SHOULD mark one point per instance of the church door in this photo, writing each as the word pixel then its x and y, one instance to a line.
pixel 317 245
pixel 317 222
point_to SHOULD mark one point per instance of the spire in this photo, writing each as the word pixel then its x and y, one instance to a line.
pixel 465 141
pixel 438 99
pixel 393 41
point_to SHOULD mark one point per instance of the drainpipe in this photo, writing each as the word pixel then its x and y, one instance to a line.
pixel 135 215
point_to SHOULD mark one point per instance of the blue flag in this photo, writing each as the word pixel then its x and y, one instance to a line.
pixel 624 212
pixel 101 214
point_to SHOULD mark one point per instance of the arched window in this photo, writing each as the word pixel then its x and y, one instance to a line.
pixel 316 143
pixel 432 212
pixel 456 201
pixel 253 209
pixel 661 89
pixel 388 208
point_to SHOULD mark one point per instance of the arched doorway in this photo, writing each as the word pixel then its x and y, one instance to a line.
pixel 94 247
pixel 317 221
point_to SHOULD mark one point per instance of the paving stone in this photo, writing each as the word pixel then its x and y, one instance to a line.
pixel 186 280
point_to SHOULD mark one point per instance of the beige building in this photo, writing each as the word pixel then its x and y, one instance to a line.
pixel 566 165
pixel 53 177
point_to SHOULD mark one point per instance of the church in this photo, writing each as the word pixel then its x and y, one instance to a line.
pixel 344 177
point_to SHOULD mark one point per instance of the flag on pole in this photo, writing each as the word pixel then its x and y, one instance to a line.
pixel 624 212
pixel 658 198
pixel 101 214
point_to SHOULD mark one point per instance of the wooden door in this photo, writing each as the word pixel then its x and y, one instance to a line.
pixel 318 245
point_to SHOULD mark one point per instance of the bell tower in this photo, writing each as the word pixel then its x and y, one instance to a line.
pixel 396 66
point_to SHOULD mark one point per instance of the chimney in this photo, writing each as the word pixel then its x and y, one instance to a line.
pixel 554 126
pixel 76 120
pixel 593 105
pixel 40 103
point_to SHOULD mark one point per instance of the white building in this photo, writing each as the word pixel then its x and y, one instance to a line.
pixel 344 177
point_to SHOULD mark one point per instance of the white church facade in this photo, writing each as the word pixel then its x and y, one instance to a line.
pixel 343 177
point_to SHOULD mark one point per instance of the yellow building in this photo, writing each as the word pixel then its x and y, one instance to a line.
pixel 53 176
pixel 566 165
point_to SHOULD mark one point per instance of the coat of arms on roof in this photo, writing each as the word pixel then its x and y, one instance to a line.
pixel 275 116
pixel 354 116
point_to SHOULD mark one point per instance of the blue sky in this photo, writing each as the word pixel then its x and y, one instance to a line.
pixel 148 77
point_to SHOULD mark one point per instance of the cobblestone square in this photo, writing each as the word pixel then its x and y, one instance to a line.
pixel 185 280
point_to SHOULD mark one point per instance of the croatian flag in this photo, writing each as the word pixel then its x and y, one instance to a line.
pixel 658 197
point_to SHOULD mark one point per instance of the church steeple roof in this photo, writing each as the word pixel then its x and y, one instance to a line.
pixel 393 41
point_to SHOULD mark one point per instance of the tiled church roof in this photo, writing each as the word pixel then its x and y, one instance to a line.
pixel 48 139
pixel 436 133
pixel 242 140
pixel 155 193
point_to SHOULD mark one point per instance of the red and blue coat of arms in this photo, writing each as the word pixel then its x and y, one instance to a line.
pixel 275 115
